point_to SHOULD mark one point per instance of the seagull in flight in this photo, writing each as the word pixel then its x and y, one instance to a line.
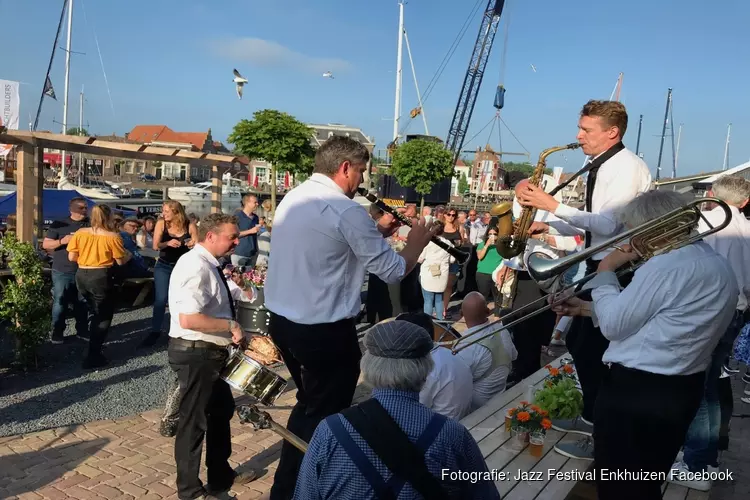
pixel 328 74
pixel 533 68
pixel 240 81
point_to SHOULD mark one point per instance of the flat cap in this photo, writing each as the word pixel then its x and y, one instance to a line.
pixel 398 340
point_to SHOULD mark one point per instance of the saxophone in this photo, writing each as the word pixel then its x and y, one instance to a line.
pixel 512 237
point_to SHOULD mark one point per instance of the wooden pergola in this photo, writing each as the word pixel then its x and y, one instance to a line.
pixel 30 168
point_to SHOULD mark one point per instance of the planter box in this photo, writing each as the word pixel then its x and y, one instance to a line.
pixel 253 316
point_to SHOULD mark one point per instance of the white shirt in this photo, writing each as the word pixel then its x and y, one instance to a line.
pixel 196 286
pixel 323 242
pixel 619 180
pixel 433 255
pixel 448 389
pixel 732 243
pixel 477 230
pixel 487 382
pixel 671 316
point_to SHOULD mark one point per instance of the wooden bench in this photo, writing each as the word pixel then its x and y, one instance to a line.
pixel 487 426
pixel 146 285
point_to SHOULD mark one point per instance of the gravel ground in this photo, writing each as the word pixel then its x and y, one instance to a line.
pixel 61 393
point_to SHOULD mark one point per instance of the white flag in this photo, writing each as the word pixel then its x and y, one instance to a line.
pixel 10 110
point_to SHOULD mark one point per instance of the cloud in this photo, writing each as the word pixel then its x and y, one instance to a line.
pixel 269 54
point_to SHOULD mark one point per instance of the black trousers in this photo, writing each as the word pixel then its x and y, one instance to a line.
pixel 489 290
pixel 640 422
pixel 586 345
pixel 529 336
pixel 378 303
pixel 206 407
pixel 96 286
pixel 323 360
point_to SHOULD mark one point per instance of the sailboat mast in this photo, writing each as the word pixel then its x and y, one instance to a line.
pixel 638 141
pixel 80 132
pixel 67 81
pixel 726 148
pixel 663 133
pixel 399 68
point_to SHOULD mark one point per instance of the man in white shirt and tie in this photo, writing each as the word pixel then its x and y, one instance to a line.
pixel 201 328
pixel 616 176
pixel 323 241
pixel 701 449
pixel 662 329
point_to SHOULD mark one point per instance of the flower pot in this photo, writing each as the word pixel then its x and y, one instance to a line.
pixel 536 443
pixel 253 316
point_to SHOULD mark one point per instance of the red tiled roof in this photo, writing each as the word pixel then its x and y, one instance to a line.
pixel 460 163
pixel 162 133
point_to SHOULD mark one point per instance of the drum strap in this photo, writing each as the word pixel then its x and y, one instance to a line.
pixel 229 292
pixel 386 439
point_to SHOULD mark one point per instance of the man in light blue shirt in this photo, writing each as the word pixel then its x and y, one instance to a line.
pixel 662 329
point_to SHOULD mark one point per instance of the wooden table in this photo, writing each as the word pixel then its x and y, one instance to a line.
pixel 487 426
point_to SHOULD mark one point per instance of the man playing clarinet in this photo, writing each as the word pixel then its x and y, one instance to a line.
pixel 323 242
pixel 615 177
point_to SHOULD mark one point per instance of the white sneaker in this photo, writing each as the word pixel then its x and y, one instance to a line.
pixel 710 468
pixel 680 474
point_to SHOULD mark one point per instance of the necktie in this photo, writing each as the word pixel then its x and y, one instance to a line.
pixel 590 183
pixel 229 293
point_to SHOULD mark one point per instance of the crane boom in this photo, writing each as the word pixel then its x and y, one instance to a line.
pixel 473 79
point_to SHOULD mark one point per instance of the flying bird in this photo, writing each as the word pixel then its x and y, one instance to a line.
pixel 328 74
pixel 533 68
pixel 240 81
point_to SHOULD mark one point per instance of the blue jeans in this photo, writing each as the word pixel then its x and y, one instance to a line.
pixel 433 301
pixel 64 293
pixel 701 447
pixel 162 273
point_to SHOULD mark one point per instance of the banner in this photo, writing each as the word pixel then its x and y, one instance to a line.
pixel 10 110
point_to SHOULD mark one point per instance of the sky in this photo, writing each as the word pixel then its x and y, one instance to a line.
pixel 170 62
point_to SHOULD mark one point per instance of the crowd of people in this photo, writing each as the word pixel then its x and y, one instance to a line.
pixel 649 346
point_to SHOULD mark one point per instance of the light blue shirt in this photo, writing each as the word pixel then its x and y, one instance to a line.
pixel 323 241
pixel 671 316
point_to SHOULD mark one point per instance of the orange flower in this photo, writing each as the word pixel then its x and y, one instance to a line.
pixel 524 403
pixel 544 413
pixel 554 372
pixel 548 366
pixel 546 423
pixel 512 411
pixel 523 416
pixel 535 408
pixel 568 369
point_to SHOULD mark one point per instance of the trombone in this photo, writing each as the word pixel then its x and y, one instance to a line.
pixel 668 232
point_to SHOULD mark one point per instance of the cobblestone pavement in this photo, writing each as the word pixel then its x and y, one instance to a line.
pixel 127 458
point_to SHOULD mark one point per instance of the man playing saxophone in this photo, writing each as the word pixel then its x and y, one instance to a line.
pixel 616 176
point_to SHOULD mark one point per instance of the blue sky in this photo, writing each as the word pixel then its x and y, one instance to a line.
pixel 170 62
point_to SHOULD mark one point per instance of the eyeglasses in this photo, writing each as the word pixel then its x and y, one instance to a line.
pixel 451 215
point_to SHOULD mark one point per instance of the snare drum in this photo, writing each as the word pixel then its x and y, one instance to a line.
pixel 246 375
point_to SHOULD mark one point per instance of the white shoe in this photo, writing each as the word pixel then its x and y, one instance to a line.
pixel 710 468
pixel 680 474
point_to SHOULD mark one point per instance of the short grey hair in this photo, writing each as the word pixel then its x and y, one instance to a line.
pixel 212 222
pixel 393 373
pixel 650 205
pixel 336 151
pixel 732 189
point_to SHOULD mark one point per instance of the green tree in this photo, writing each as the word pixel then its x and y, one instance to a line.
pixel 75 131
pixel 525 167
pixel 463 184
pixel 278 138
pixel 421 164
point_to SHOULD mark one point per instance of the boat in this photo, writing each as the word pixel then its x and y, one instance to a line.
pixel 231 190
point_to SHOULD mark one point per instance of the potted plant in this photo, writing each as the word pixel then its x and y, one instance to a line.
pixel 558 374
pixel 253 316
pixel 561 399
pixel 25 302
pixel 527 422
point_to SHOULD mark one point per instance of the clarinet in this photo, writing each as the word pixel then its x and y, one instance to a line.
pixel 460 256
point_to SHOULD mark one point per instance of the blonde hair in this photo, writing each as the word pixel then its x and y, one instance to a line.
pixel 101 218
pixel 180 219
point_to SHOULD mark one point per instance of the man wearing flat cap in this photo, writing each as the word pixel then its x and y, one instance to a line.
pixel 392 446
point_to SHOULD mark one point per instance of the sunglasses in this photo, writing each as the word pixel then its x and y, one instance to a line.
pixel 451 215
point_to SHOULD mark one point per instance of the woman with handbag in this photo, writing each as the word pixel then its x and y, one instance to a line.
pixel 433 276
